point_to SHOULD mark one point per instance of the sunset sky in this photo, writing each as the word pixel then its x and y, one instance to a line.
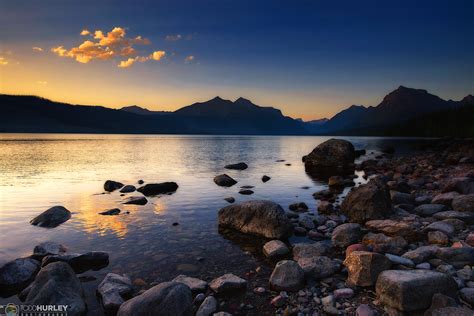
pixel 309 58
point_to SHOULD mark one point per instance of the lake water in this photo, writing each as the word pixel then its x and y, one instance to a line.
pixel 38 171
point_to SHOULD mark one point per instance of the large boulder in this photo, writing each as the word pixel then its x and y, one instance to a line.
pixel 114 290
pixel 164 299
pixel 287 276
pixel 158 188
pixel 93 260
pixel 464 203
pixel 412 290
pixel 334 156
pixel 52 217
pixel 368 202
pixel 224 180
pixel 364 267
pixel 57 284
pixel 263 218
pixel 346 234
pixel 16 275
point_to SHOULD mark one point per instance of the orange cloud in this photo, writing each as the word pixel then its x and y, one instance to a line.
pixel 189 58
pixel 42 83
pixel 3 61
pixel 107 46
pixel 37 49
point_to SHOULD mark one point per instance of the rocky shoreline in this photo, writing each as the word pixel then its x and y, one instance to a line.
pixel 400 244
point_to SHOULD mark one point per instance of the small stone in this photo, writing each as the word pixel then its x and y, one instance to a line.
pixel 227 283
pixel 208 307
pixel 343 293
pixel 287 276
pixel 275 248
pixel 195 284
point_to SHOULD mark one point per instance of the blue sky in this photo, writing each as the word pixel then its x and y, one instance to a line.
pixel 309 58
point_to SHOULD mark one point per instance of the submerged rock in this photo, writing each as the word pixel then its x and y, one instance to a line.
pixel 114 211
pixel 52 217
pixel 57 284
pixel 165 299
pixel 111 185
pixel 412 290
pixel 263 218
pixel 114 290
pixel 367 202
pixel 136 200
pixel 229 199
pixel 94 260
pixel 237 166
pixel 287 276
pixel 16 275
pixel 228 283
pixel 48 248
pixel 158 188
pixel 128 188
pixel 224 180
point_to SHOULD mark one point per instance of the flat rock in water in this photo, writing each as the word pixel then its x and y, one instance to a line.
pixel 265 178
pixel 229 199
pixel 263 218
pixel 237 166
pixel 114 290
pixel 228 283
pixel 136 200
pixel 158 188
pixel 48 248
pixel 196 285
pixel 114 211
pixel 16 275
pixel 287 276
pixel 412 290
pixel 224 180
pixel 246 192
pixel 111 185
pixel 57 284
pixel 275 248
pixel 128 188
pixel 94 260
pixel 164 299
pixel 52 217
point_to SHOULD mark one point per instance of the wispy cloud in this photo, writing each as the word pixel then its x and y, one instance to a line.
pixel 174 37
pixel 189 59
pixel 3 61
pixel 37 49
pixel 42 83
pixel 113 44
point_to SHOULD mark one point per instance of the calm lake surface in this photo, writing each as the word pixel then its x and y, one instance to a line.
pixel 38 171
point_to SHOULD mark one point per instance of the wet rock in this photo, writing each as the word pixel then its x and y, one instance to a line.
pixel 287 276
pixel 136 200
pixel 114 290
pixel 265 178
pixel 412 290
pixel 208 307
pixel 237 166
pixel 228 283
pixel 168 298
pixel 458 257
pixel 336 181
pixel 196 285
pixel 445 198
pixel 325 208
pixel 140 181
pixel 467 294
pixel 57 284
pixel 229 199
pixel 367 202
pixel 400 260
pixel 246 192
pixel 114 211
pixel 263 218
pixel 224 180
pixel 275 248
pixel 429 209
pixel 346 234
pixel 421 254
pixel 16 275
pixel 307 223
pixel 94 260
pixel 382 243
pixel 52 217
pixel 464 203
pixel 319 267
pixel 111 186
pixel 324 195
pixel 298 207
pixel 437 238
pixel 364 267
pixel 158 188
pixel 334 156
pixel 304 250
pixel 128 188
pixel 48 248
